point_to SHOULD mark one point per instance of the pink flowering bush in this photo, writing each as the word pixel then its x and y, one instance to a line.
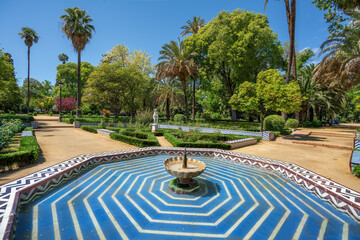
pixel 67 104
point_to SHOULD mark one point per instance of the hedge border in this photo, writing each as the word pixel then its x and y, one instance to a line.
pixel 176 142
pixel 150 141
pixel 90 128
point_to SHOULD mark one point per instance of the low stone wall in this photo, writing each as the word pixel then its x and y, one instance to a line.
pixel 33 124
pixel 242 142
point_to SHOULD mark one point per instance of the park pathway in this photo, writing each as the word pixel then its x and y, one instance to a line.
pixel 59 142
pixel 163 142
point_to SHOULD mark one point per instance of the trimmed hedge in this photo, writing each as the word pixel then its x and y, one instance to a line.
pixel 28 129
pixel 89 128
pixel 130 138
pixel 68 120
pixel 176 142
pixel 22 118
pixel 291 123
pixel 356 170
pixel 28 152
pixel 274 123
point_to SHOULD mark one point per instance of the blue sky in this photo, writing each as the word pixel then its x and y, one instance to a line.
pixel 139 24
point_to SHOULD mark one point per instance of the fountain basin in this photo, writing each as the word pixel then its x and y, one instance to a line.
pixel 174 167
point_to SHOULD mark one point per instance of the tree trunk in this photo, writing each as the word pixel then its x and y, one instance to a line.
pixel 284 115
pixel 288 17
pixel 186 99
pixel 233 114
pixel 297 116
pixel 28 86
pixel 292 36
pixel 193 100
pixel 262 124
pixel 167 109
pixel 78 86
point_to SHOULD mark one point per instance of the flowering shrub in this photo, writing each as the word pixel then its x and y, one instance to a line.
pixel 67 104
pixel 106 113
pixel 8 130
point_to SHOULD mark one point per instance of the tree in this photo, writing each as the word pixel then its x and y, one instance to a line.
pixel 67 104
pixel 340 67
pixel 115 87
pixel 63 58
pixel 38 90
pixel 69 74
pixel 176 62
pixel 235 47
pixel 10 96
pixel 77 27
pixel 193 27
pixel 46 103
pixel 168 94
pixel 290 17
pixel 337 12
pixel 268 93
pixel 30 37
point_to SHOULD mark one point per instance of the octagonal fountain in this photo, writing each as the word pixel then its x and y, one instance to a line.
pixel 185 170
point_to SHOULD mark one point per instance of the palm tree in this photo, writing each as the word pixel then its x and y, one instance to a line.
pixel 193 27
pixel 290 16
pixel 176 62
pixel 340 67
pixel 167 94
pixel 77 27
pixel 30 37
pixel 63 58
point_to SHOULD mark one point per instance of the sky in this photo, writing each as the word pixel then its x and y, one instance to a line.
pixel 139 24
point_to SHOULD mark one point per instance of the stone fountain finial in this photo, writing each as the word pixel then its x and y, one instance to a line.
pixel 185 159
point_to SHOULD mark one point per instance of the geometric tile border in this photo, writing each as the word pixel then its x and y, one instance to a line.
pixel 241 142
pixel 26 188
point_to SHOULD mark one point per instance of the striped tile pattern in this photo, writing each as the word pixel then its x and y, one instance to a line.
pixel 28 187
pixel 131 200
pixel 357 143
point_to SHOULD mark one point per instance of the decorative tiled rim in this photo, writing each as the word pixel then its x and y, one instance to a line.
pixel 357 143
pixel 26 188
pixel 242 142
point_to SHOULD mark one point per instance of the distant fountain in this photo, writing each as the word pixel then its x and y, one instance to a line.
pixel 185 170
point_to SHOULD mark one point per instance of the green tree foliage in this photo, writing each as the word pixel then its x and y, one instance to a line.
pixel 10 97
pixel 193 26
pixel 77 27
pixel 63 58
pixel 337 12
pixel 116 87
pixel 38 91
pixel 268 93
pixel 46 103
pixel 235 47
pixel 68 73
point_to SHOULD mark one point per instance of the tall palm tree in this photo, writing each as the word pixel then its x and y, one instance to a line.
pixel 290 16
pixel 30 37
pixel 63 58
pixel 77 27
pixel 176 62
pixel 193 27
pixel 168 94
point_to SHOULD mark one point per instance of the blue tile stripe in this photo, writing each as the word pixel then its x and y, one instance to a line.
pixel 357 143
pixel 267 135
pixel 26 188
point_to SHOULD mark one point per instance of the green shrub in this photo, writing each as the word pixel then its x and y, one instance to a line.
pixel 8 130
pixel 68 120
pixel 358 129
pixel 22 118
pixel 356 170
pixel 276 134
pixel 317 123
pixel 145 117
pixel 50 113
pixel 89 120
pixel 216 116
pixel 34 114
pixel 274 123
pixel 198 115
pixel 291 123
pixel 2 112
pixel 28 152
pixel 286 131
pixel 343 120
pixel 206 116
pixel 90 128
pixel 28 129
pixel 127 137
pixel 180 118
pixel 12 112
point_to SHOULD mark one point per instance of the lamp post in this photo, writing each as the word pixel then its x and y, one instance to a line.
pixel 60 85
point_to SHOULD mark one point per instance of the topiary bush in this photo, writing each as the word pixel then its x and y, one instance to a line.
pixel 2 112
pixel 180 118
pixel 291 123
pixel 90 128
pixel 34 114
pixel 50 113
pixel 274 123
pixel 356 170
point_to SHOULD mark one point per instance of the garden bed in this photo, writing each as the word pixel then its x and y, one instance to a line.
pixel 135 137
pixel 203 140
